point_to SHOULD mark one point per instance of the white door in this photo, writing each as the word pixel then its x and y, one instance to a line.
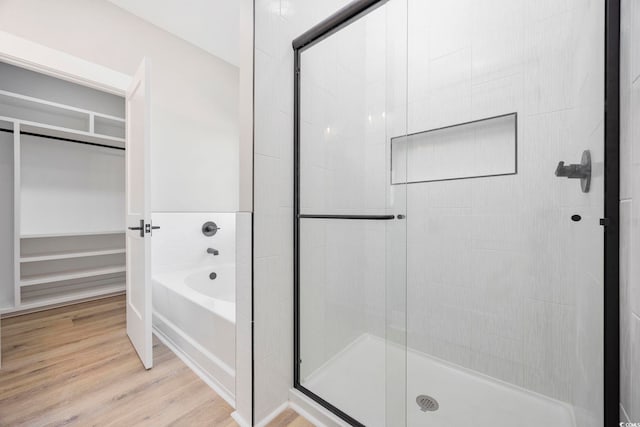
pixel 139 215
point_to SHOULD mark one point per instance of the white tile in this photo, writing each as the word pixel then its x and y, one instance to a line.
pixel 269 229
pixel 265 67
pixel 450 70
pixel 496 367
pixel 634 406
pixel 498 52
pixel 492 14
pixel 500 96
pixel 634 273
pixel 626 142
pixel 272 383
pixel 634 125
pixel 626 47
pixel 549 343
pixel 625 306
pixel 180 241
pixel 268 190
pixel 448 23
pixel 244 342
pixel 546 9
pixel 551 73
pixel 453 353
pixel 589 365
pixel 268 21
pixel 635 39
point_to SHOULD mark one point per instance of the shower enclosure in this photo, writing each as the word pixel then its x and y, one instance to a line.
pixel 456 190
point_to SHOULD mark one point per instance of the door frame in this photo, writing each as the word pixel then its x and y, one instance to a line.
pixel 33 56
pixel 44 60
pixel 611 220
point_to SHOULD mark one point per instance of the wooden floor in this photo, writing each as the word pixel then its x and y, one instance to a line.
pixel 75 366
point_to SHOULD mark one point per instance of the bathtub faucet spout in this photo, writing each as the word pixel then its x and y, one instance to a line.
pixel 212 251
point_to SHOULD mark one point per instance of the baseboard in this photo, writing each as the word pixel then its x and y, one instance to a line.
pixel 210 381
pixel 272 416
pixel 20 312
pixel 312 411
pixel 239 420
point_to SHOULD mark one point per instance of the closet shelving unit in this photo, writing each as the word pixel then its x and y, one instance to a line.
pixel 60 267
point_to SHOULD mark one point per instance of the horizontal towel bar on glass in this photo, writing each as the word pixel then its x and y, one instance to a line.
pixel 368 217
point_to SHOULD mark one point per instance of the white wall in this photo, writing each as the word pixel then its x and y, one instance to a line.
pixel 67 188
pixel 194 94
pixel 209 24
pixel 630 212
pixel 37 85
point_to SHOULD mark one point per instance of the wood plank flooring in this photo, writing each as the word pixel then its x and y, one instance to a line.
pixel 75 366
pixel 289 418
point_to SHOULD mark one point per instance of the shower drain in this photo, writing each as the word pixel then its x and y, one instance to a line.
pixel 427 403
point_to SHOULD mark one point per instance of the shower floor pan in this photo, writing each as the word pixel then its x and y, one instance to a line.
pixel 354 381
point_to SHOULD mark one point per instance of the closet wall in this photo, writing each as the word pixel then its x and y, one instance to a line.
pixel 62 219
pixel 70 188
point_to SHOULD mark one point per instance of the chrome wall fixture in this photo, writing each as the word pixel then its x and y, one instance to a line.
pixel 581 171
pixel 210 228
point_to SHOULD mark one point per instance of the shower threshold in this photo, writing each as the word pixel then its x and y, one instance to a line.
pixel 354 381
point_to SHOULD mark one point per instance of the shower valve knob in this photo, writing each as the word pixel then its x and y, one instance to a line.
pixel 580 171
pixel 210 228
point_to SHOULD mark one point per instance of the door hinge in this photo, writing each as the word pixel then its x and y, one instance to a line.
pixel 604 222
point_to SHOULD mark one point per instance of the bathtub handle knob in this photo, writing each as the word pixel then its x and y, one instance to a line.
pixel 210 228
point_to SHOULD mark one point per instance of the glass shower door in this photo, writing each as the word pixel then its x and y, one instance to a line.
pixel 504 199
pixel 449 258
pixel 351 235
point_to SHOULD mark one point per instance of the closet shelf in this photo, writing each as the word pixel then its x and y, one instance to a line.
pixel 80 233
pixel 69 275
pixel 26 101
pixel 69 254
pixel 65 296
pixel 61 132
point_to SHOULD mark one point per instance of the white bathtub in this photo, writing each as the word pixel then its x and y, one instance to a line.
pixel 219 289
pixel 197 316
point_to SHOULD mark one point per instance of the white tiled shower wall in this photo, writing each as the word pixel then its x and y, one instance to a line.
pixel 487 287
pixel 500 280
pixel 277 23
pixel 630 212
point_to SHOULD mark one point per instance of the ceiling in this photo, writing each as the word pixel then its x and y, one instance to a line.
pixel 211 25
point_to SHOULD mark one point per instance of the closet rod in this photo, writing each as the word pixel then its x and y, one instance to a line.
pixel 64 139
